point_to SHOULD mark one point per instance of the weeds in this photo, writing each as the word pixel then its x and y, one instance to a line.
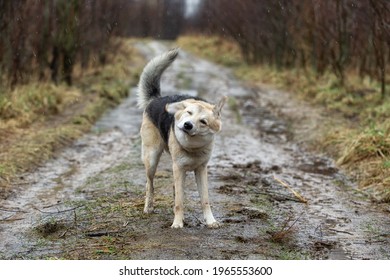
pixel 285 231
pixel 49 228
pixel 39 118
pixel 372 142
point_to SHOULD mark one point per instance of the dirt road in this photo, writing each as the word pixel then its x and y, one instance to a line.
pixel 87 203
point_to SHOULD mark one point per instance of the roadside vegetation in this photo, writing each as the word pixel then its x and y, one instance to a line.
pixel 38 118
pixel 361 144
pixel 61 65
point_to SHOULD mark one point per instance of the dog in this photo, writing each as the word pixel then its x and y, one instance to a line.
pixel 182 125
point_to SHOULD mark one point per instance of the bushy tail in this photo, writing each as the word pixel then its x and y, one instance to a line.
pixel 149 82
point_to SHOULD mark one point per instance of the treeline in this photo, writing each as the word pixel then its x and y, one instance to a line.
pixel 45 39
pixel 337 35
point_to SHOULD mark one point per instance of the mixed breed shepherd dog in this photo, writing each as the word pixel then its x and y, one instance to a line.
pixel 182 125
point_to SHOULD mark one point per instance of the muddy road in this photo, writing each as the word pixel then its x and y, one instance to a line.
pixel 275 199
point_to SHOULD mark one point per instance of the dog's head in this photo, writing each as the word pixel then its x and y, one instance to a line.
pixel 196 121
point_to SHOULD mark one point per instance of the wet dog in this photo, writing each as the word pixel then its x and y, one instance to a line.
pixel 184 126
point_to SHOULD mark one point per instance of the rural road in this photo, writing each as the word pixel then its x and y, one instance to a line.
pixel 87 202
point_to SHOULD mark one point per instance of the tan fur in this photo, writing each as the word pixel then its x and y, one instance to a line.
pixel 190 151
pixel 152 148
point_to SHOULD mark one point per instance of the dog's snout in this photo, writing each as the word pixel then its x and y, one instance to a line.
pixel 188 126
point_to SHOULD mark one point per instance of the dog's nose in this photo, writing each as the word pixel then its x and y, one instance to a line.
pixel 188 126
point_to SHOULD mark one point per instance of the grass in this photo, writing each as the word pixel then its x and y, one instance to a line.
pixel 39 118
pixel 361 144
pixel 214 48
pixel 233 105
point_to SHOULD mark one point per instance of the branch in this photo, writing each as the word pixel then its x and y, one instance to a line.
pixel 59 211
pixel 297 195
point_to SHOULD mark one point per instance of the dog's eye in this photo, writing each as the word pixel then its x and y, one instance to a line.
pixel 203 122
pixel 189 113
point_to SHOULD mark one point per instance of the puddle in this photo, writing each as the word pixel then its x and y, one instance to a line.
pixel 252 156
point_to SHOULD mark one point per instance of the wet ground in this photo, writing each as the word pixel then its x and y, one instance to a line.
pixel 274 198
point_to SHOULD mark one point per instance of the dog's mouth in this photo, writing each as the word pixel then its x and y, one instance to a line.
pixel 195 133
pixel 189 133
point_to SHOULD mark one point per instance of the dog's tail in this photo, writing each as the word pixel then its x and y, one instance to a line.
pixel 149 82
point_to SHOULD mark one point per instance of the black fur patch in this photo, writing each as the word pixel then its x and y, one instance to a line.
pixel 161 118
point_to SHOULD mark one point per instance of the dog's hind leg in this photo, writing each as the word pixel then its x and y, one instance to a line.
pixel 151 159
pixel 152 148
pixel 201 181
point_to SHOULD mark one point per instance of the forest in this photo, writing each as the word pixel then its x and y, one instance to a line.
pixel 45 39
pixel 335 35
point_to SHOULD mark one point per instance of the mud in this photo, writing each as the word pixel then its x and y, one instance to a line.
pixel 87 203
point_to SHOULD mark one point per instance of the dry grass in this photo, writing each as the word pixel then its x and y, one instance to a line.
pixel 37 119
pixel 215 48
pixel 295 193
pixel 361 145
pixel 365 153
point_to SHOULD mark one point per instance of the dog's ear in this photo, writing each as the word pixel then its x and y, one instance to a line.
pixel 172 108
pixel 218 107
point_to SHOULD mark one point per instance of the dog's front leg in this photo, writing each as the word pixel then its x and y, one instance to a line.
pixel 179 176
pixel 201 181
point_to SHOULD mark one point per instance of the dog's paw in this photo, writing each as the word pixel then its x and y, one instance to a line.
pixel 214 224
pixel 177 225
pixel 149 210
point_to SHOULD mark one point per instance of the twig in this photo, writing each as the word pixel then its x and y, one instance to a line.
pixel 341 231
pixel 52 205
pixel 319 229
pixel 63 234
pixel 277 196
pixel 7 218
pixel 102 233
pixel 10 219
pixel 296 220
pixel 386 235
pixel 302 199
pixel 11 210
pixel 59 211
pixel 74 217
pixel 277 236
pixel 25 183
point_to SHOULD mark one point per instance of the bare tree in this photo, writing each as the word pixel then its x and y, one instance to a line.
pixel 338 35
pixel 54 35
